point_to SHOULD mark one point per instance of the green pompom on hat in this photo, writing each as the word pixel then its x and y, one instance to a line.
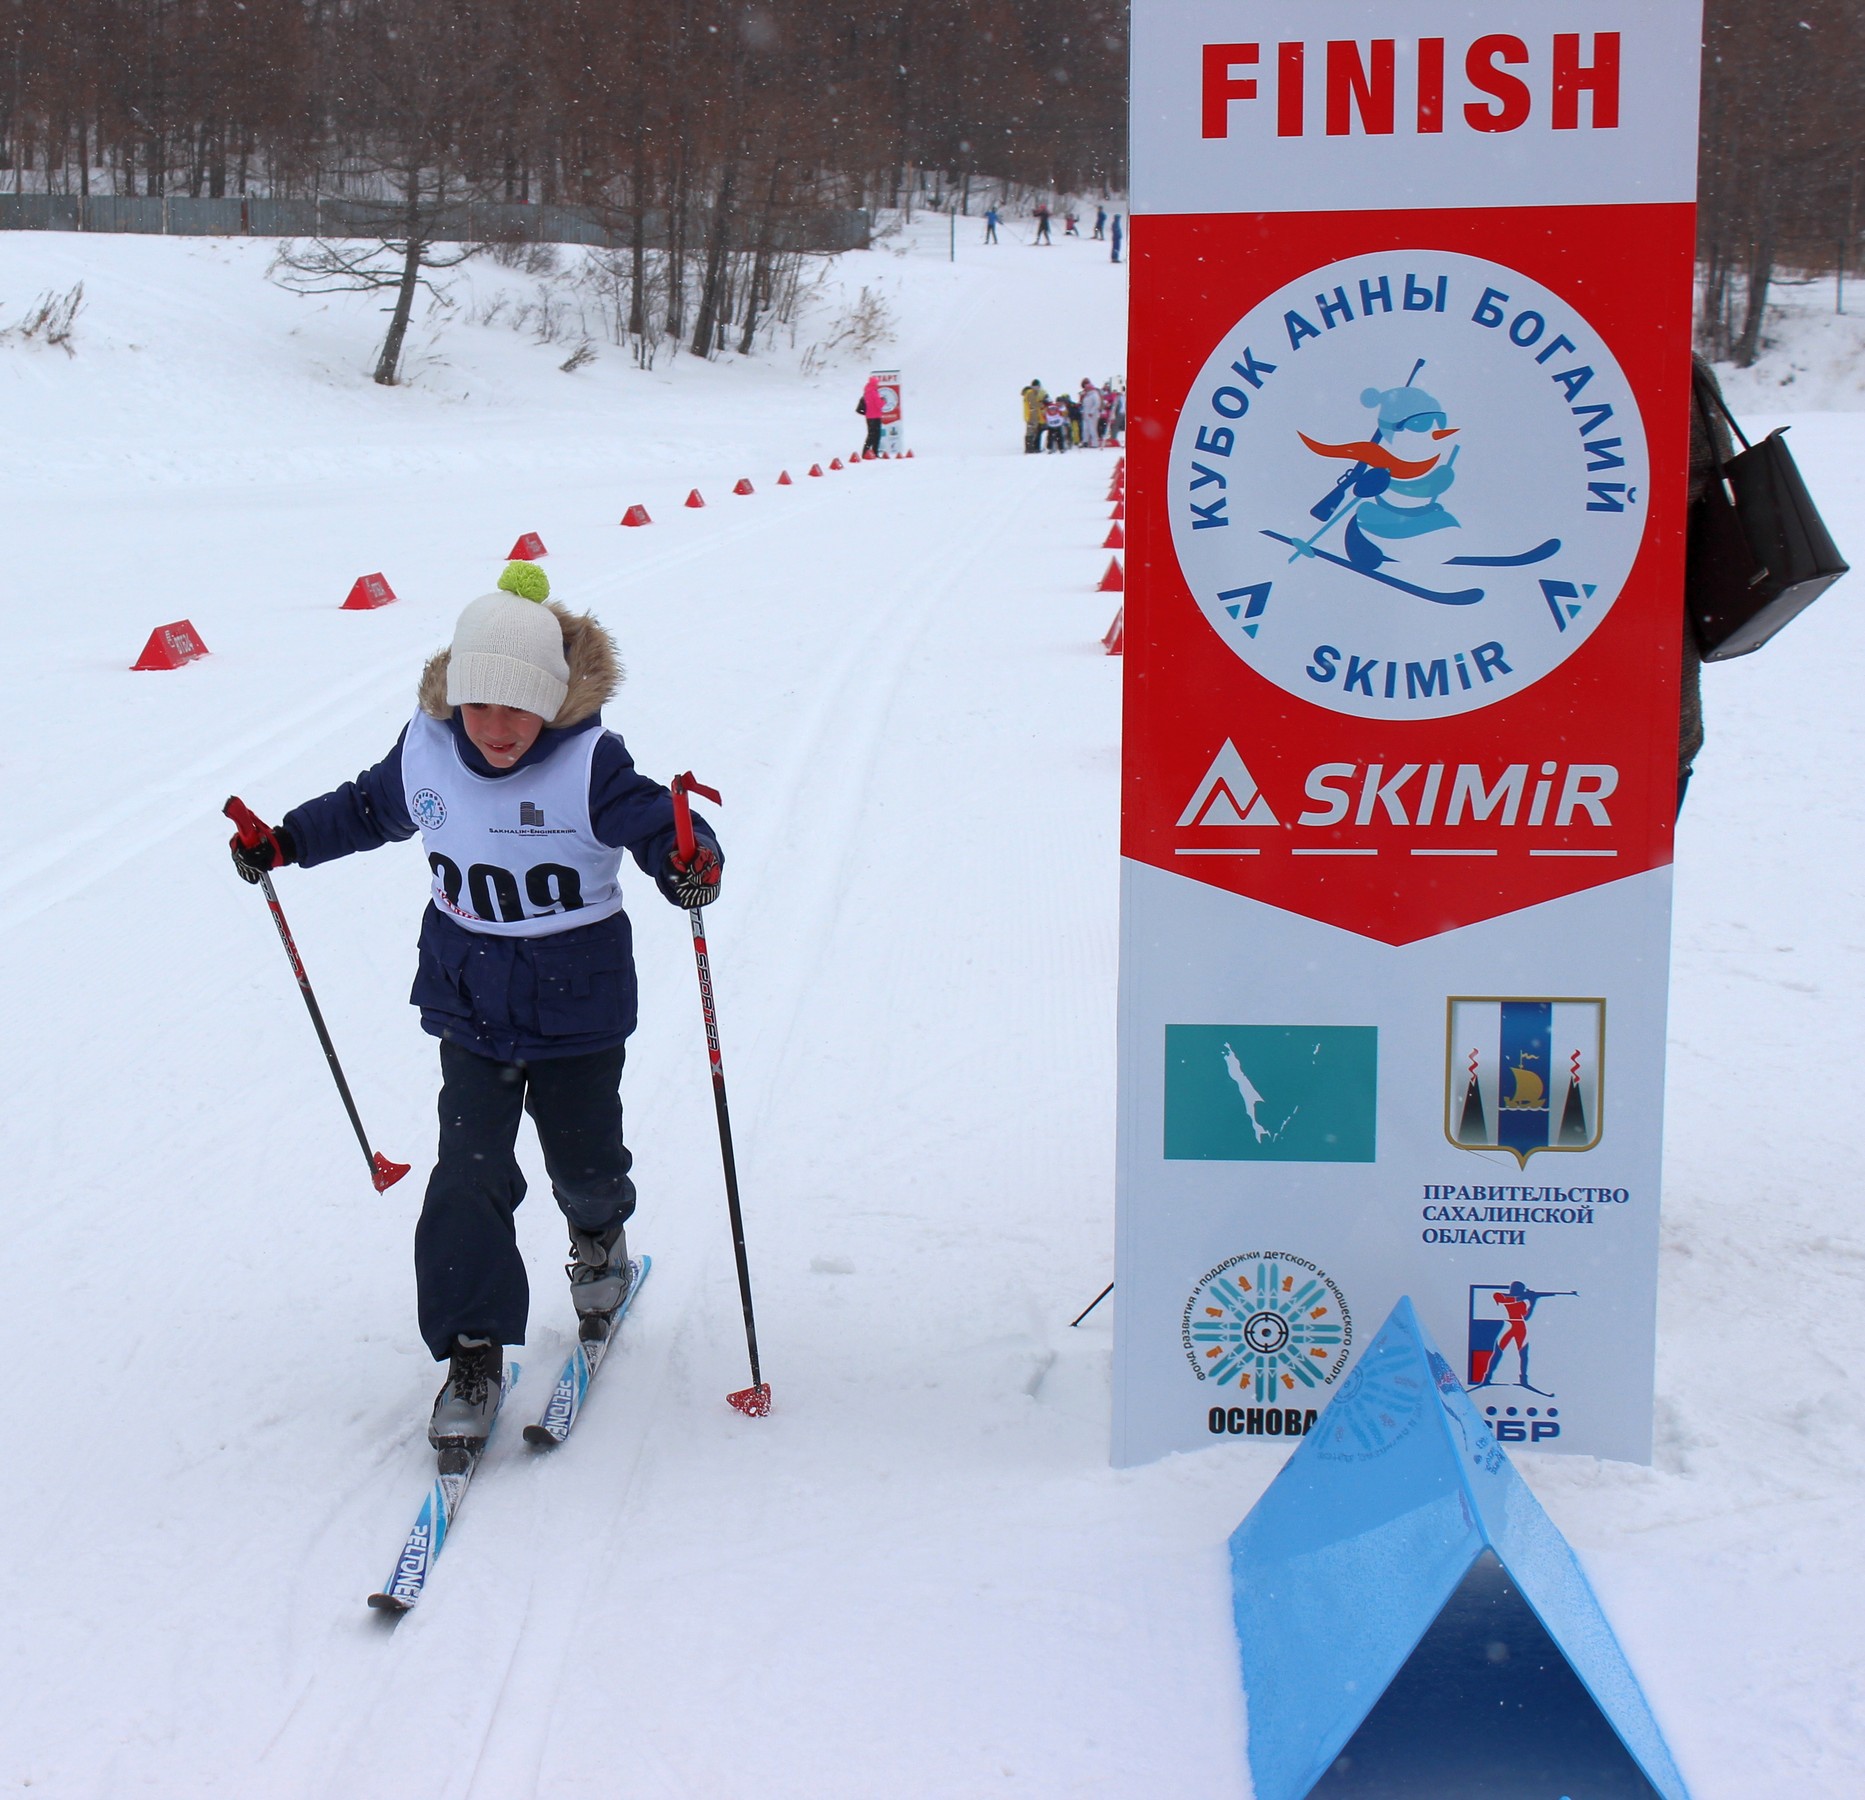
pixel 526 580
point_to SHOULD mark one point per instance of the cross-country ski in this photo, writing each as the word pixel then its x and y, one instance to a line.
pixel 1457 597
pixel 596 1340
pixel 427 1536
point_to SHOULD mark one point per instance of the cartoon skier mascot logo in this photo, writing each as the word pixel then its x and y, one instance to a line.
pixel 1398 477
pixel 1471 500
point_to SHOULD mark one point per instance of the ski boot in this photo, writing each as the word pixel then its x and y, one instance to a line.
pixel 468 1398
pixel 600 1277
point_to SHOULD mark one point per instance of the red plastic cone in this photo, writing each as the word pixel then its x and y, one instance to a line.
pixel 835 462
pixel 170 646
pixel 784 480
pixel 1114 540
pixel 743 486
pixel 693 499
pixel 366 593
pixel 528 549
pixel 909 452
pixel 1113 582
pixel 815 468
pixel 636 515
pixel 1116 640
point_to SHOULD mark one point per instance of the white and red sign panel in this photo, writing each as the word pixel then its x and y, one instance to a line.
pixel 892 442
pixel 1409 388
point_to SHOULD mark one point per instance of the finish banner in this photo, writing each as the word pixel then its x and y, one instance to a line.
pixel 1410 388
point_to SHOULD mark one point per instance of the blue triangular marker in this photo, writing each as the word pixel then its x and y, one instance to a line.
pixel 1251 630
pixel 1253 598
pixel 1372 1585
pixel 1573 611
pixel 1589 588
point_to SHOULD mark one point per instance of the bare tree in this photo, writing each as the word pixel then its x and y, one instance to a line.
pixel 421 108
pixel 391 264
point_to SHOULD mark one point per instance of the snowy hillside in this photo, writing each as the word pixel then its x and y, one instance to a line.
pixel 919 1578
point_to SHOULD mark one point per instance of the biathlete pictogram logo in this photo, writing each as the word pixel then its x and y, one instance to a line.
pixel 1499 1317
pixel 1408 485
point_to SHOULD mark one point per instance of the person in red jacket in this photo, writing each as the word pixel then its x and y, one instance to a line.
pixel 871 408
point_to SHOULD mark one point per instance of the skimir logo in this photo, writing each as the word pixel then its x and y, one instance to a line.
pixel 1524 1075
pixel 1408 485
pixel 430 811
pixel 1277 1329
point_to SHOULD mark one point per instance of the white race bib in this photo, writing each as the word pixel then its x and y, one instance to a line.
pixel 513 855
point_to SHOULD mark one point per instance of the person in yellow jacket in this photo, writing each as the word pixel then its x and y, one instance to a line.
pixel 1034 401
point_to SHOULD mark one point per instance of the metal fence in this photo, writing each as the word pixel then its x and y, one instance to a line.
pixel 467 223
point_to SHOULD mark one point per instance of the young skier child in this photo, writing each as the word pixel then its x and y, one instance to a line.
pixel 526 974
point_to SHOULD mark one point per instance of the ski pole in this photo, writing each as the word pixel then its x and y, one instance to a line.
pixel 1092 1304
pixel 382 1173
pixel 756 1399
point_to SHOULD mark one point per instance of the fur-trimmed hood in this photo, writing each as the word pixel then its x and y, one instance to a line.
pixel 595 672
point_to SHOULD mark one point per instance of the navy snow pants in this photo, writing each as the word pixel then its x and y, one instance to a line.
pixel 469 1274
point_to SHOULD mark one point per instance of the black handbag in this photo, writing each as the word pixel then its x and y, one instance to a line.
pixel 1759 552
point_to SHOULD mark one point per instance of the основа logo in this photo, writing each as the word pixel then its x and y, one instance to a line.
pixel 1273 1326
pixel 1408 485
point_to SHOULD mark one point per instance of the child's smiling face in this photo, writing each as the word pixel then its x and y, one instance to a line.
pixel 501 734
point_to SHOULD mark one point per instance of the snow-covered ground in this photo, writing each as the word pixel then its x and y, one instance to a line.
pixel 919 1578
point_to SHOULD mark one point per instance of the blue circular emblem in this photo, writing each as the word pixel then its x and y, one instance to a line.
pixel 1377 1406
pixel 1272 1325
pixel 1408 484
pixel 430 811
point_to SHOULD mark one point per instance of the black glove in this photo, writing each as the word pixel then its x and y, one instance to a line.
pixel 695 885
pixel 273 851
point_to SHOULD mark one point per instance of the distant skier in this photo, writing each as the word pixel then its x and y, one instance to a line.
pixel 526 975
pixel 1042 224
pixel 1100 221
pixel 1090 414
pixel 990 225
pixel 871 406
pixel 1070 225
pixel 1114 253
pixel 1055 425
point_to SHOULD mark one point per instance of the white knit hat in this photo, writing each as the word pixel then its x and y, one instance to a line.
pixel 508 652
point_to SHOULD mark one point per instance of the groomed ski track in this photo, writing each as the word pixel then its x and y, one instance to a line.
pixel 917 1578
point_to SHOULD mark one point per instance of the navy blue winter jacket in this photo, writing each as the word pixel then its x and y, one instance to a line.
pixel 513 998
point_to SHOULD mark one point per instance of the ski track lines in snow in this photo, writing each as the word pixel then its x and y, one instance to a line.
pixel 543 1595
